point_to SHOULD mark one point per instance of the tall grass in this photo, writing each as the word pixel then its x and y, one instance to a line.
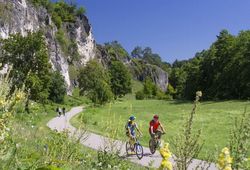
pixel 240 141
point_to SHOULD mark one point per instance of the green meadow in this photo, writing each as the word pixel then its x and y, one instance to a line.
pixel 216 119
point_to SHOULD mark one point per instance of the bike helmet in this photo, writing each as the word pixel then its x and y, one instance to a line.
pixel 156 117
pixel 131 118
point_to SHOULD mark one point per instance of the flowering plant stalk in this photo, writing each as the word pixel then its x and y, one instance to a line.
pixel 9 103
pixel 225 160
pixel 187 144
pixel 166 155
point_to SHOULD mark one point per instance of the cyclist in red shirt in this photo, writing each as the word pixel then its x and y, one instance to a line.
pixel 155 127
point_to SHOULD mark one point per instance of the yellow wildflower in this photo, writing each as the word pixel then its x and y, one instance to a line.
pixel 2 102
pixel 199 93
pixel 20 96
pixel 7 115
pixel 225 160
pixel 166 154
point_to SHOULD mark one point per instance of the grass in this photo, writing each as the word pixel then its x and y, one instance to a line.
pixel 214 118
pixel 31 132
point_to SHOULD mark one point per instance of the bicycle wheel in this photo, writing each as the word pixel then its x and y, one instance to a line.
pixel 152 146
pixel 128 148
pixel 139 150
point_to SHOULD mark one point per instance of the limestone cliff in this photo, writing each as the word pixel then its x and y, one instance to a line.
pixel 20 16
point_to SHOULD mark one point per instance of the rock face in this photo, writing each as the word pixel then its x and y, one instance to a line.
pixel 140 69
pixel 159 76
pixel 23 17
pixel 143 70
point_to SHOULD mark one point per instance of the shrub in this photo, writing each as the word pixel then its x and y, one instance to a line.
pixel 9 104
pixel 168 97
pixel 139 95
pixel 94 82
pixel 73 51
pixel 58 88
pixel 160 95
pixel 29 58
pixel 80 11
pixel 62 39
pixel 68 46
pixel 149 88
pixel 120 79
pixel 106 160
pixel 61 11
pixel 170 90
pixel 115 50
pixel 57 20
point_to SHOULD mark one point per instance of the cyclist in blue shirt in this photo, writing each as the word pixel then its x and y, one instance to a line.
pixel 131 128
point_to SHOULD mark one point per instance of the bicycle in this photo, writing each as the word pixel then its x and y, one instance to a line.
pixel 137 147
pixel 155 142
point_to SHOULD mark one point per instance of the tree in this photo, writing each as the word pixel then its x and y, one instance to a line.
pixel 58 88
pixel 94 81
pixel 80 11
pixel 30 61
pixel 57 20
pixel 62 11
pixel 137 52
pixel 147 51
pixel 150 89
pixel 120 79
pixel 147 55
pixel 139 95
pixel 170 90
pixel 116 50
pixel 178 81
pixel 193 78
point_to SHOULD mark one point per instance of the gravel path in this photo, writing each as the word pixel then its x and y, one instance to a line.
pixel 96 142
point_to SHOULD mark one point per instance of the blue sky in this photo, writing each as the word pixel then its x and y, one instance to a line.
pixel 175 29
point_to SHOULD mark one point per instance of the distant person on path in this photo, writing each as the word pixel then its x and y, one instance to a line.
pixel 155 127
pixel 131 128
pixel 64 111
pixel 59 111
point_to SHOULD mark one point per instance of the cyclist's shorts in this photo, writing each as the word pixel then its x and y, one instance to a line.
pixel 133 133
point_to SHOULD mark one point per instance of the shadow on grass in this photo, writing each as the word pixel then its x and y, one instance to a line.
pixel 180 102
pixel 207 102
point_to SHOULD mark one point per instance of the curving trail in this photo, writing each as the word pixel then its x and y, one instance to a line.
pixel 96 142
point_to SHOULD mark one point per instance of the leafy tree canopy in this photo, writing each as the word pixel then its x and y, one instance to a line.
pixel 221 72
pixel 94 81
pixel 120 78
pixel 58 88
pixel 30 61
pixel 115 48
